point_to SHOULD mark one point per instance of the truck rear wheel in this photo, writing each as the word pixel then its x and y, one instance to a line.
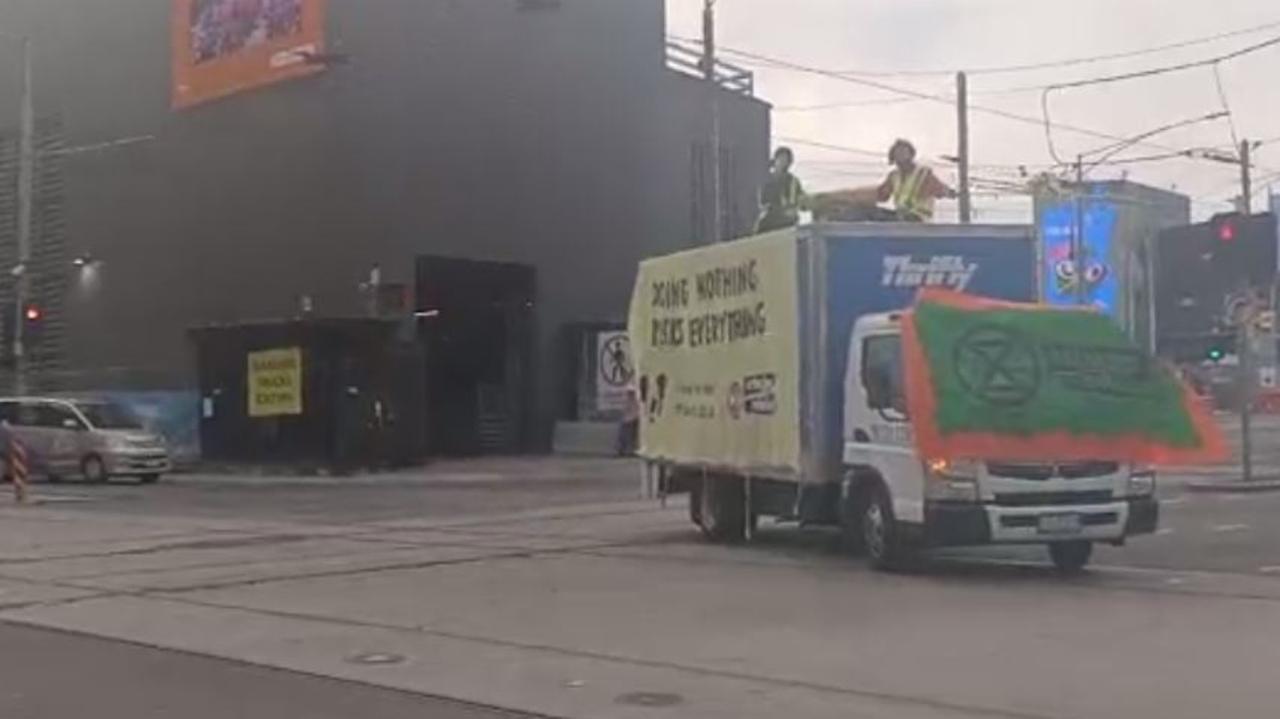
pixel 880 535
pixel 1070 557
pixel 721 508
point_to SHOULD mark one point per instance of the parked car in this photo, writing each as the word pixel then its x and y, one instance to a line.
pixel 92 439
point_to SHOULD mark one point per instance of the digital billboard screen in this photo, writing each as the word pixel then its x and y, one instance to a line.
pixel 1062 274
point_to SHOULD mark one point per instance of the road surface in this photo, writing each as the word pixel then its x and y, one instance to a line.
pixel 522 595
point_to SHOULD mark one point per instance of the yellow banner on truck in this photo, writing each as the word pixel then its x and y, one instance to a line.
pixel 717 365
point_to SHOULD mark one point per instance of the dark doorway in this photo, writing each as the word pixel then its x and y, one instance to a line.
pixel 477 323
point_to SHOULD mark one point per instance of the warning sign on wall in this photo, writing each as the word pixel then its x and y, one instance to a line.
pixel 613 371
pixel 275 382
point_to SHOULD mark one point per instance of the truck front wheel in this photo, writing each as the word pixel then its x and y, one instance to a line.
pixel 721 508
pixel 880 536
pixel 1070 557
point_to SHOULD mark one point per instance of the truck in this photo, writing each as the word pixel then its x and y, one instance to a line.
pixel 771 382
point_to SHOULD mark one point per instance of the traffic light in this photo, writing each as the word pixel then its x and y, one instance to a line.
pixel 1227 227
pixel 1211 348
pixel 32 326
pixel 1243 248
pixel 1202 270
pixel 1216 352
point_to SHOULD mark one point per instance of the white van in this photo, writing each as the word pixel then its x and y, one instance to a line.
pixel 91 439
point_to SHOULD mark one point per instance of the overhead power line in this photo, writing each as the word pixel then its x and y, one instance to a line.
pixel 876 102
pixel 1151 72
pixel 942 99
pixel 1073 62
pixel 1178 67
pixel 1061 63
pixel 885 101
pixel 830 146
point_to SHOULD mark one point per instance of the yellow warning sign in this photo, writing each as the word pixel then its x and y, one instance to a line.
pixel 275 382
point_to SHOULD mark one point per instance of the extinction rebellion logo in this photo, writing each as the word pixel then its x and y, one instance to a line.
pixel 1003 367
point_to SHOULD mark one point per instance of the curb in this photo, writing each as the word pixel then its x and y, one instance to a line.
pixel 1237 486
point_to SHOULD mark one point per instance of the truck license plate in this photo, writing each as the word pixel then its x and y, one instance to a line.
pixel 1060 524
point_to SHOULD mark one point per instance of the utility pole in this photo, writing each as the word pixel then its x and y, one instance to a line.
pixel 1246 179
pixel 1077 237
pixel 1244 335
pixel 962 152
pixel 26 194
pixel 713 100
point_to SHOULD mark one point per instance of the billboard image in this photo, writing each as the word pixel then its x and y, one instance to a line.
pixel 221 47
pixel 1098 273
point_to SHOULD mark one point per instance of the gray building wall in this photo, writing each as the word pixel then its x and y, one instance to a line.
pixel 467 128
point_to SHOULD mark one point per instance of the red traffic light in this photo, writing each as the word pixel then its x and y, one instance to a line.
pixel 1227 232
pixel 33 313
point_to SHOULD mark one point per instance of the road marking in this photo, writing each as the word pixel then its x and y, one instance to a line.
pixel 1175 581
pixel 1269 570
pixel 1173 502
pixel 1224 528
pixel 64 498
pixel 1164 531
pixel 1232 497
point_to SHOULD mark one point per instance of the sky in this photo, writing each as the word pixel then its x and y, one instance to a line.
pixel 893 36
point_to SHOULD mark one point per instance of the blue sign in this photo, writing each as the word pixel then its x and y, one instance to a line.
pixel 1062 273
pixel 174 415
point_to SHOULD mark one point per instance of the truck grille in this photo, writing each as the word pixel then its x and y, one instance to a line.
pixel 1041 472
pixel 1037 499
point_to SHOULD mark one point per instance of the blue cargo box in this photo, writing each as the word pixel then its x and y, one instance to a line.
pixel 851 270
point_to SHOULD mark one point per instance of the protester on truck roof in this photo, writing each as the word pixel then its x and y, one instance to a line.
pixel 912 187
pixel 782 197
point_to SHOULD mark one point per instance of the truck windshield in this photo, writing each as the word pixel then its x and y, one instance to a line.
pixel 104 415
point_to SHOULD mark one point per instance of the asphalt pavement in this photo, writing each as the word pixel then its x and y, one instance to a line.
pixel 1199 532
pixel 507 585
pixel 58 675
pixel 444 489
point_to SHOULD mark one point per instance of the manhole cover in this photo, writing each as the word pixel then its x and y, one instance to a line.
pixel 649 699
pixel 376 658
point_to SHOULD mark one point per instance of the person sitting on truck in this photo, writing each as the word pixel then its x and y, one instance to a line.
pixel 783 196
pixel 913 187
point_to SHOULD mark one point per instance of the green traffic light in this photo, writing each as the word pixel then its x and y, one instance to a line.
pixel 1216 354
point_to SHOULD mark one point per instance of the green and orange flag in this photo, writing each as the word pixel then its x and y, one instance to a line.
pixel 998 380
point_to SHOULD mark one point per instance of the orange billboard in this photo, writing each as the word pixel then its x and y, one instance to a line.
pixel 221 47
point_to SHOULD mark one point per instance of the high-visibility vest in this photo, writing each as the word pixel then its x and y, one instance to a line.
pixel 794 195
pixel 791 200
pixel 907 196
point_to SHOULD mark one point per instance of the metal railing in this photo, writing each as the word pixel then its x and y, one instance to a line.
pixel 688 61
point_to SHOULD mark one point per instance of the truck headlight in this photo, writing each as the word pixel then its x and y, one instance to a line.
pixel 951 481
pixel 1142 482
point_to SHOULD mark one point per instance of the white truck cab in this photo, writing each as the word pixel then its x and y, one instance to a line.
pixel 912 500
